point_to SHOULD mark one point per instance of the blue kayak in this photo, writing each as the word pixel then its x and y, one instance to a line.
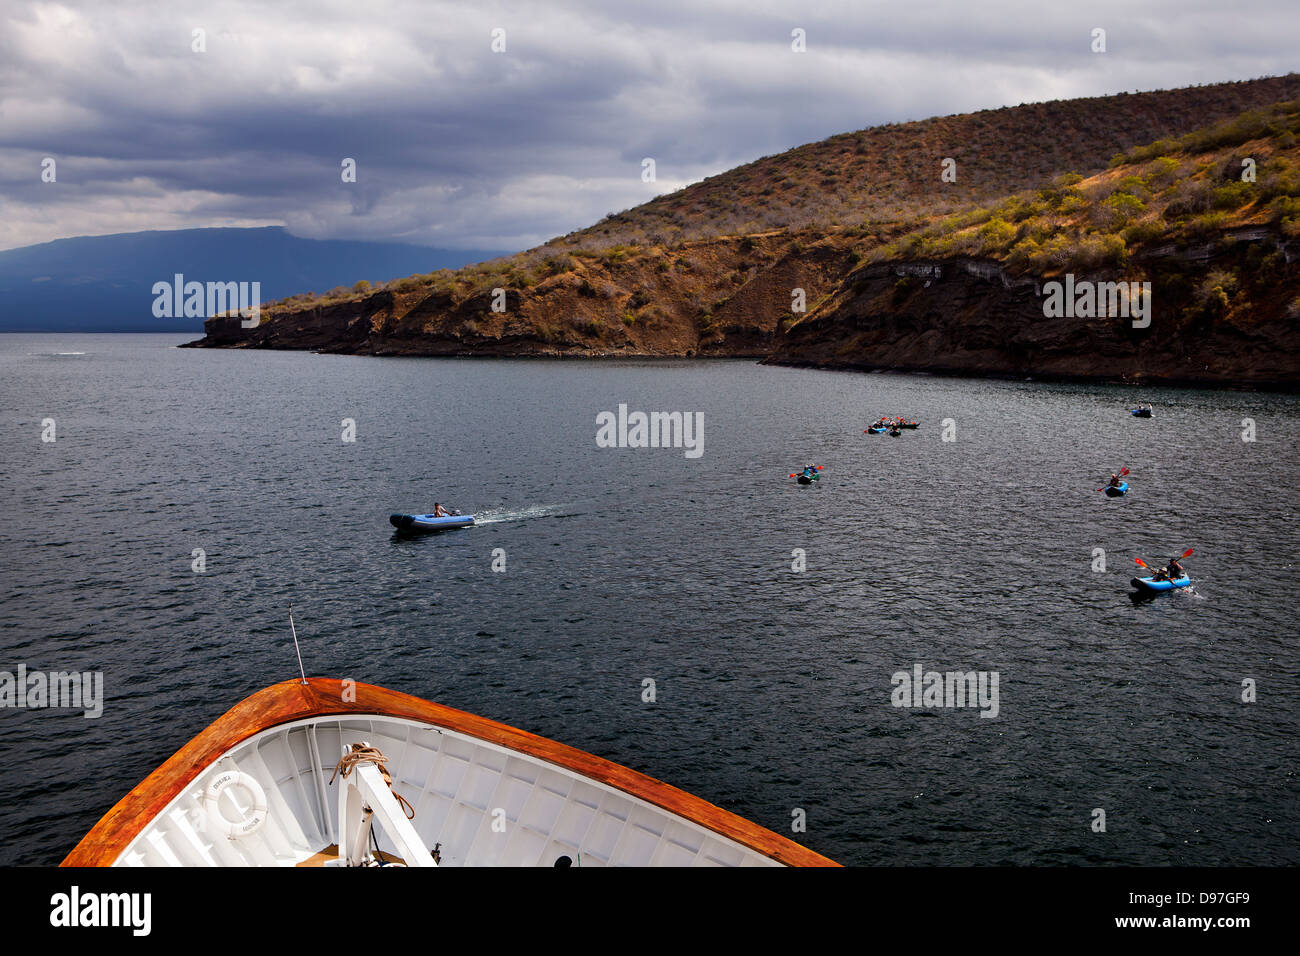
pixel 1140 412
pixel 1151 584
pixel 874 430
pixel 1118 492
pixel 417 524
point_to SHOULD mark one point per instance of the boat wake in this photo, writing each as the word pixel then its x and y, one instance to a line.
pixel 498 515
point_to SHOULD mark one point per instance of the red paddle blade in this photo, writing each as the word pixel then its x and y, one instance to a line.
pixel 1141 562
pixel 1187 553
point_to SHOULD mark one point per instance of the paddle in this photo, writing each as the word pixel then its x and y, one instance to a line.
pixel 1184 555
pixel 1123 472
pixel 815 468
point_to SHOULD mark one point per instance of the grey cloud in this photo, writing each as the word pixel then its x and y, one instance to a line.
pixel 459 146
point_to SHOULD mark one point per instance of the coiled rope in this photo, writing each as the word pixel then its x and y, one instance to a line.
pixel 364 753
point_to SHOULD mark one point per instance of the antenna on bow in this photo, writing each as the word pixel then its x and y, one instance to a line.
pixel 294 631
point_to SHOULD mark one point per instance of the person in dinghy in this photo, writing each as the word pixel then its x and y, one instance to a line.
pixel 439 511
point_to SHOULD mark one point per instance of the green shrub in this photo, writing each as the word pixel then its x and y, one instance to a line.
pixel 1071 204
pixel 1190 197
pixel 1283 207
pixel 1118 209
pixel 555 265
pixel 1234 196
pixel 904 287
pixel 1141 233
pixel 996 235
pixel 1133 186
pixel 1208 224
pixel 1162 172
pixel 1023 254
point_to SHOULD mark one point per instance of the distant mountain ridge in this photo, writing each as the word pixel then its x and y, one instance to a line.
pixel 104 283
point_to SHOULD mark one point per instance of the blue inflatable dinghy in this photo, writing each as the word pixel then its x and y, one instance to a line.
pixel 1118 492
pixel 419 524
pixel 1151 584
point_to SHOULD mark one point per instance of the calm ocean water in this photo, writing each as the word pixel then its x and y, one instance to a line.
pixel 773 687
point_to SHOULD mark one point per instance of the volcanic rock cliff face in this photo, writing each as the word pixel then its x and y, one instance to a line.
pixel 732 298
pixel 968 317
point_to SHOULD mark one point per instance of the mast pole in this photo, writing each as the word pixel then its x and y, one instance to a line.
pixel 294 631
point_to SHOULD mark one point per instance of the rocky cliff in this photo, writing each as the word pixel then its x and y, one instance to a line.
pixel 969 317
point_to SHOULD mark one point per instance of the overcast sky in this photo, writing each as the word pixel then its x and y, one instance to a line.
pixel 462 147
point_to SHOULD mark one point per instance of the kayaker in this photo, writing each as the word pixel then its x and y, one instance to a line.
pixel 1175 569
pixel 1161 575
pixel 439 511
pixel 1114 480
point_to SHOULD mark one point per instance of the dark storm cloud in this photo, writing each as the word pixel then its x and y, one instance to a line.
pixel 457 145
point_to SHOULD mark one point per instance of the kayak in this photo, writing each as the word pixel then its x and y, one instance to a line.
pixel 1140 412
pixel 1151 584
pixel 1118 492
pixel 422 523
pixel 875 431
pixel 807 479
pixel 895 433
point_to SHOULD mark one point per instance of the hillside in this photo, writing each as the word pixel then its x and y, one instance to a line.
pixel 889 174
pixel 1221 255
pixel 711 269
